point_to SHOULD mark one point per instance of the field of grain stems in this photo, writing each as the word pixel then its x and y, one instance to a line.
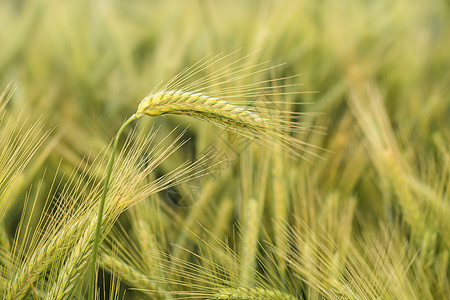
pixel 273 149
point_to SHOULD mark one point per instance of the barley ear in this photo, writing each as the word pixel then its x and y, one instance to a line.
pixel 201 106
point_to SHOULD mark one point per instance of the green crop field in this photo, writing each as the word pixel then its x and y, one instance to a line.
pixel 205 149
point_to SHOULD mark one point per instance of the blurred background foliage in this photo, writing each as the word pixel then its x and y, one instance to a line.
pixel 370 219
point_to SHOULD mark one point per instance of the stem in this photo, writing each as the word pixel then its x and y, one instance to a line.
pixel 102 205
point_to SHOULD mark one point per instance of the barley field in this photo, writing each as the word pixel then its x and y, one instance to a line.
pixel 207 149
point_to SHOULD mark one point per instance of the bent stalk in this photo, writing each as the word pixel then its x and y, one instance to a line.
pixel 102 204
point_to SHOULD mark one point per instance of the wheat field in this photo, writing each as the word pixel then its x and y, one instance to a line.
pixel 206 149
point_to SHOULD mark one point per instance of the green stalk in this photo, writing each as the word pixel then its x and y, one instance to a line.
pixel 102 205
